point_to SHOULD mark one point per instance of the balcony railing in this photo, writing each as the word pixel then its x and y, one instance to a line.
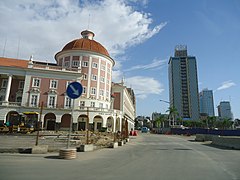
pixel 62 107
pixel 3 103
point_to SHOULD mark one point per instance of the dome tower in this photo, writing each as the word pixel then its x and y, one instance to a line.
pixel 96 66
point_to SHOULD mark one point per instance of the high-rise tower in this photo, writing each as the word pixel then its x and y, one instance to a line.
pixel 183 84
pixel 206 102
pixel 224 110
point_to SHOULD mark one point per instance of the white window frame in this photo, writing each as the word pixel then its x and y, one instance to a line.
pixel 4 83
pixel 67 102
pixel 101 92
pixel 103 67
pixel 67 83
pixel 52 82
pixel 85 76
pixel 102 79
pixel 95 65
pixel 85 64
pixel 84 90
pixel 93 104
pixel 66 63
pixel 75 63
pixel 93 91
pixel 36 100
pixel 21 85
pixel 36 82
pixel 82 104
pixel 52 105
pixel 107 94
pixel 94 77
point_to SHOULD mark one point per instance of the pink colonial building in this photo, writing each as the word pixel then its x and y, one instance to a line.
pixel 26 85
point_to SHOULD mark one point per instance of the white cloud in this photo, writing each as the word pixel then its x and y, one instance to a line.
pixel 226 85
pixel 117 76
pixel 143 86
pixel 155 64
pixel 44 27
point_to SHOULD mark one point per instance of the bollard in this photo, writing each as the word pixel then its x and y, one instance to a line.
pixel 67 154
pixel 135 133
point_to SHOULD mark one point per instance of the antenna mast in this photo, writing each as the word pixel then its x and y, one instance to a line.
pixel 88 21
pixel 18 47
pixel 4 47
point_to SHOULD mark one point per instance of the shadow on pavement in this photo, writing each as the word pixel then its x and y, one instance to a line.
pixel 52 157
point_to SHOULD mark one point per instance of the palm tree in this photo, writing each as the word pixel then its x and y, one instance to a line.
pixel 211 121
pixel 226 123
pixel 172 114
pixel 160 121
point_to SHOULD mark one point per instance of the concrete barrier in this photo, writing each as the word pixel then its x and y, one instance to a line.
pixel 113 145
pixel 86 147
pixel 120 143
pixel 227 141
pixel 204 137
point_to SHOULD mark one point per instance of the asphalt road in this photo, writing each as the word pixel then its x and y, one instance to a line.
pixel 147 156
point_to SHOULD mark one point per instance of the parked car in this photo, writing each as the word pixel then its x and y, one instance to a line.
pixel 144 130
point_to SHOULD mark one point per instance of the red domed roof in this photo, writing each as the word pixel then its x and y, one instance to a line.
pixel 87 45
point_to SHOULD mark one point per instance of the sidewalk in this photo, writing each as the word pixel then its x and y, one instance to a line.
pixel 17 143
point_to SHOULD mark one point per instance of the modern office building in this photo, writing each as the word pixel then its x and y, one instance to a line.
pixel 224 110
pixel 28 85
pixel 183 84
pixel 206 102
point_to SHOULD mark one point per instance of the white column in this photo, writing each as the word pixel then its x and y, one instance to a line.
pixel 89 77
pixel 114 122
pixel 99 78
pixel 105 84
pixel 120 123
pixel 27 85
pixel 8 88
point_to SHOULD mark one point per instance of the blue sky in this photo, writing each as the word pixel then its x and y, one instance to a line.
pixel 140 35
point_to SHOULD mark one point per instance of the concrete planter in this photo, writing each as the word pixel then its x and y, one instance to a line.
pixel 40 149
pixel 114 145
pixel 120 143
pixel 86 147
pixel 68 154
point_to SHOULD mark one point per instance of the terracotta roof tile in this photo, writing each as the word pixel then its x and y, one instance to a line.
pixel 87 45
pixel 13 62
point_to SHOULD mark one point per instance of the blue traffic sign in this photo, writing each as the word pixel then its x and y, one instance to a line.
pixel 74 90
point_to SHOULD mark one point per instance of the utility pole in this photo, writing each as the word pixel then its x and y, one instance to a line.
pixel 38 123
